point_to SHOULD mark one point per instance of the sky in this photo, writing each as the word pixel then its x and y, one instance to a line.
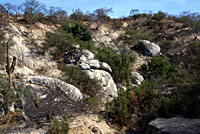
pixel 121 7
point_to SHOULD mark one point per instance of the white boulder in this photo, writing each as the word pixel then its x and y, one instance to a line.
pixel 89 55
pixel 105 66
pixel 106 81
pixel 148 48
pixel 72 92
pixel 93 63
pixel 137 78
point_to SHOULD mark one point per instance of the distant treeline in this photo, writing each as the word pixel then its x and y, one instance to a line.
pixel 33 11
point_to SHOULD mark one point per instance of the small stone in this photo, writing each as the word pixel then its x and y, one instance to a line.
pixel 105 66
pixel 84 66
pixel 89 55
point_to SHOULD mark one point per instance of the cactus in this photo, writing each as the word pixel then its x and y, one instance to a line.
pixel 10 67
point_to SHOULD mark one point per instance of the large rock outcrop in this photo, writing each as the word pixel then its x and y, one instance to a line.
pixel 47 82
pixel 147 48
pixel 27 42
pixel 106 81
pixel 176 125
pixel 23 72
pixel 50 98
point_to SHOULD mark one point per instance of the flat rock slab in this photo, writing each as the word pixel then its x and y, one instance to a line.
pixel 177 125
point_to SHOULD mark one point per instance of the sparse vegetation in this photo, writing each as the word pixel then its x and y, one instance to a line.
pixel 165 92
pixel 131 37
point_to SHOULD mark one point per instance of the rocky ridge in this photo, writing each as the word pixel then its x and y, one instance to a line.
pixel 29 62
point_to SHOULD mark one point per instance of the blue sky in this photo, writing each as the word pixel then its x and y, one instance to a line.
pixel 122 7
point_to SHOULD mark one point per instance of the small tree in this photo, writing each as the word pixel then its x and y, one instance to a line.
pixel 77 15
pixel 159 16
pixel 134 12
pixel 102 13
pixel 31 9
pixel 192 20
pixel 2 9
pixel 56 15
pixel 194 23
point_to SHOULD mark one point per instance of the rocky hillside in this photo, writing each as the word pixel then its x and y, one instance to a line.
pixel 104 78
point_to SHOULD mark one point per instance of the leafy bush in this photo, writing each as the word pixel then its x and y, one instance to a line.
pixel 159 66
pixel 59 127
pixel 120 64
pixel 81 80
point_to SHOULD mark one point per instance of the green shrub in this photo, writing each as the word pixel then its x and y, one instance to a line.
pixel 182 101
pixel 59 39
pixel 95 104
pixel 117 109
pixel 11 95
pixel 66 36
pixel 78 31
pixel 59 127
pixel 194 48
pixel 170 106
pixel 120 64
pixel 131 106
pixel 8 93
pixel 159 66
pixel 81 80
